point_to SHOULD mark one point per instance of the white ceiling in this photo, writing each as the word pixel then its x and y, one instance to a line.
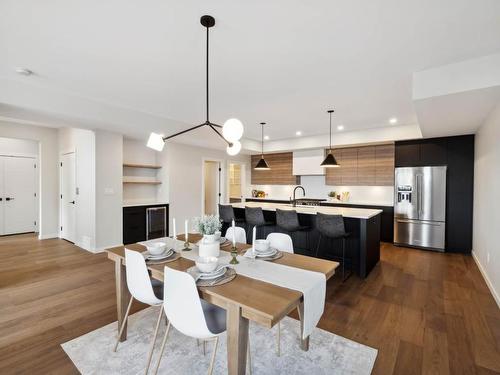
pixel 135 66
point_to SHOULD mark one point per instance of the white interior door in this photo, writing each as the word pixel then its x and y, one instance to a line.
pixel 19 195
pixel 211 187
pixel 68 197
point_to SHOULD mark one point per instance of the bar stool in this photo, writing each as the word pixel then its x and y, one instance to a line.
pixel 254 217
pixel 332 226
pixel 288 220
pixel 226 214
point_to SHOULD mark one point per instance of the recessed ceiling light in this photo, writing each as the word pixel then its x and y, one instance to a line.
pixel 393 120
pixel 340 127
pixel 298 133
pixel 266 137
pixel 24 71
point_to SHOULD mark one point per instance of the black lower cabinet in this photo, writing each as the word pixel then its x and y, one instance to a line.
pixel 134 223
pixel 386 219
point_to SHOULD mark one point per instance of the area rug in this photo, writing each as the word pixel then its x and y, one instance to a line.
pixel 93 353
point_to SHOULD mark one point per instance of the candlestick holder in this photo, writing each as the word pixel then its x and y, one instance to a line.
pixel 186 246
pixel 234 253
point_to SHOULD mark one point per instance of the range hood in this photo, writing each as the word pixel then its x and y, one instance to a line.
pixel 308 162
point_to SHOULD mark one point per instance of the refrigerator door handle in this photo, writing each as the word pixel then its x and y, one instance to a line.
pixel 419 192
pixel 419 222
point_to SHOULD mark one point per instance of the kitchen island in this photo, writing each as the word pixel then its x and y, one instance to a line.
pixel 362 246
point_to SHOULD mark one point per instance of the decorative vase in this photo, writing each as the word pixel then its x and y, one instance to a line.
pixel 209 238
pixel 209 246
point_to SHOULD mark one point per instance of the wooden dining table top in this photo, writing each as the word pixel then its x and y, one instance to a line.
pixel 260 301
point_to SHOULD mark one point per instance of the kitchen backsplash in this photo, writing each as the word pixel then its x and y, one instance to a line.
pixel 315 188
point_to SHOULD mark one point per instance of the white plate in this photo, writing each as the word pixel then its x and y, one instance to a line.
pixel 164 255
pixel 269 253
pixel 213 275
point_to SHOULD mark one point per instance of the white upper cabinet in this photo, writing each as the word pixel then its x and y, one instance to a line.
pixel 307 162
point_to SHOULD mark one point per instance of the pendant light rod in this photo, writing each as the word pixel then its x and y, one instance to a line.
pixel 262 139
pixel 330 111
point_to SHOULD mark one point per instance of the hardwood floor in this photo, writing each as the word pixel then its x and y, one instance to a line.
pixel 426 313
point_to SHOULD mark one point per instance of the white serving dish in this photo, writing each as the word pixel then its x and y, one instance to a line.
pixel 206 264
pixel 261 245
pixel 156 248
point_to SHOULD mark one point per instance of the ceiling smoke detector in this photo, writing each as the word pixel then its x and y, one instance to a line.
pixel 24 71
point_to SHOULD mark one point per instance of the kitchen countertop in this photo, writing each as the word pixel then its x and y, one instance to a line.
pixel 355 203
pixel 355 213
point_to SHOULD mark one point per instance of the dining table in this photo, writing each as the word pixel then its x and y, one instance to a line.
pixel 245 299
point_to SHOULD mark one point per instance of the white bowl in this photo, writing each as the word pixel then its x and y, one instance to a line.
pixel 206 264
pixel 261 245
pixel 156 248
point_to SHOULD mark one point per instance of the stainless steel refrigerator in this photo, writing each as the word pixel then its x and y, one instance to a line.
pixel 420 207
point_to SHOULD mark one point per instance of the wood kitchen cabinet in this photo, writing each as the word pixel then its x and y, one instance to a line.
pixel 281 172
pixel 363 166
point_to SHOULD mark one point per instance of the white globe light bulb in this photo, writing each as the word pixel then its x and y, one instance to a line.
pixel 232 130
pixel 234 149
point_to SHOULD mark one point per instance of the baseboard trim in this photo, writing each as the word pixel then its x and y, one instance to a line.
pixel 48 236
pixel 496 296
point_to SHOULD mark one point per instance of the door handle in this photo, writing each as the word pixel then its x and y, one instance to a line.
pixel 9 199
pixel 72 202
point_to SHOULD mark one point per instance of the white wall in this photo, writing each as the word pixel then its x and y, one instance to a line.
pixel 49 171
pixel 182 178
pixel 486 202
pixel 316 188
pixel 108 188
pixel 18 147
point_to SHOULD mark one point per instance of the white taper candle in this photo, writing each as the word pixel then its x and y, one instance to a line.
pixel 234 234
pixel 186 230
pixel 254 235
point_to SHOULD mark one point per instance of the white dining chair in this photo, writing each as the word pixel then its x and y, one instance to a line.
pixel 239 233
pixel 282 242
pixel 191 315
pixel 141 289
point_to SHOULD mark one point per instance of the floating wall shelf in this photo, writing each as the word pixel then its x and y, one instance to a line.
pixel 143 182
pixel 148 166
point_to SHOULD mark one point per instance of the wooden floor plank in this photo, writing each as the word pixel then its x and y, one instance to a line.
pixel 425 312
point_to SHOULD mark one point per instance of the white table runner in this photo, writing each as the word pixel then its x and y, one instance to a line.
pixel 311 284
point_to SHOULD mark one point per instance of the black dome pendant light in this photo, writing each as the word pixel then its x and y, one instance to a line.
pixel 262 164
pixel 330 161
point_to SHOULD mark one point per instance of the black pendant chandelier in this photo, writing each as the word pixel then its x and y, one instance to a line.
pixel 330 161
pixel 262 164
pixel 232 131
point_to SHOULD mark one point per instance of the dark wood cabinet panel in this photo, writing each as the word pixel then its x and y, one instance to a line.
pixel 281 172
pixel 366 165
pixel 349 166
pixel 407 154
pixel 433 152
pixel 333 176
pixel 363 166
pixel 460 193
pixel 384 165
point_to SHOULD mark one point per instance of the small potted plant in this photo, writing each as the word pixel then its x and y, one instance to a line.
pixel 332 195
pixel 209 226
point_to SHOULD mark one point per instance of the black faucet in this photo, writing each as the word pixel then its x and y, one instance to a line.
pixel 294 202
